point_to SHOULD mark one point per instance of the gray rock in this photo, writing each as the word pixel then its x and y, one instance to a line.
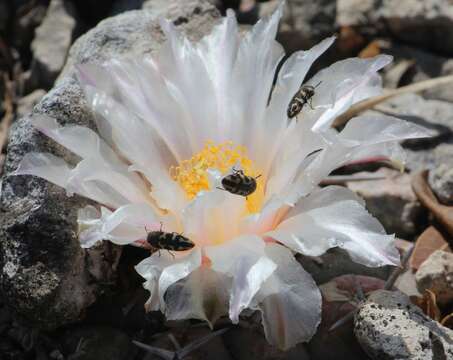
pixel 26 104
pixel 436 274
pixel 138 32
pixel 52 41
pixel 304 22
pixel 45 276
pixel 391 201
pixel 441 182
pixel 425 23
pixel 389 326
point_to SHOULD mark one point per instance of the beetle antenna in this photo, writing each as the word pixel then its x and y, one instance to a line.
pixel 161 225
pixel 318 84
pixel 258 176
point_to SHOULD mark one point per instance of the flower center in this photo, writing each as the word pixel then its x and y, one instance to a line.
pixel 192 174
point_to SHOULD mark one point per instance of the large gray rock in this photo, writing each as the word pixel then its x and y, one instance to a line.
pixel 45 276
pixel 304 22
pixel 436 274
pixel 52 41
pixel 389 326
pixel 425 23
pixel 392 201
pixel 138 32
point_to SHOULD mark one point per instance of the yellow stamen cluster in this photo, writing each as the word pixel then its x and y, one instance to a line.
pixel 192 174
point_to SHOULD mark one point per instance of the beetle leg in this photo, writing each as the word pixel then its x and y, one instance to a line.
pixel 311 104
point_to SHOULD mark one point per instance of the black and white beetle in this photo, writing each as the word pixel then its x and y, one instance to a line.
pixel 170 241
pixel 303 96
pixel 238 183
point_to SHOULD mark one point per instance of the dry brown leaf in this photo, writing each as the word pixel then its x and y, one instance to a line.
pixel 349 40
pixel 443 213
pixel 428 242
pixel 428 304
pixel 371 50
pixel 447 321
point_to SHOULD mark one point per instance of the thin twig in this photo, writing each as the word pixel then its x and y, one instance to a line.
pixel 398 270
pixel 164 354
pixel 345 319
pixel 390 93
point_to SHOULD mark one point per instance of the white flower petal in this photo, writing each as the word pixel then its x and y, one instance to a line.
pixel 218 51
pixel 333 217
pixel 81 140
pixel 138 85
pixel 141 145
pixel 202 295
pixel 289 301
pixel 150 269
pixel 243 260
pixel 92 177
pixel 213 217
pixel 161 271
pixel 176 56
pixel 125 225
pixel 257 59
pixel 46 166
pixel 380 128
pixel 342 84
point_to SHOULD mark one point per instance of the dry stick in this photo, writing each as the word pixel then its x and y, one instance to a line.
pixel 398 270
pixel 387 286
pixel 388 94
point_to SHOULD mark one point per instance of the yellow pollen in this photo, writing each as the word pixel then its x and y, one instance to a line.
pixel 192 174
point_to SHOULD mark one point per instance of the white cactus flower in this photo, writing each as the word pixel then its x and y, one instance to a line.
pixel 172 125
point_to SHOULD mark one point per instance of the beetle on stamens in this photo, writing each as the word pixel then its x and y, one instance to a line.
pixel 239 184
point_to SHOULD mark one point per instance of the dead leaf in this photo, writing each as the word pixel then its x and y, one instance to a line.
pixel 428 242
pixel 443 214
pixel 349 40
pixel 371 50
pixel 428 304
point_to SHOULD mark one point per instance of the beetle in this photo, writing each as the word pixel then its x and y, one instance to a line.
pixel 303 96
pixel 239 184
pixel 171 241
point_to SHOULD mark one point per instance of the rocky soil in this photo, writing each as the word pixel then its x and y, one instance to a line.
pixel 58 301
